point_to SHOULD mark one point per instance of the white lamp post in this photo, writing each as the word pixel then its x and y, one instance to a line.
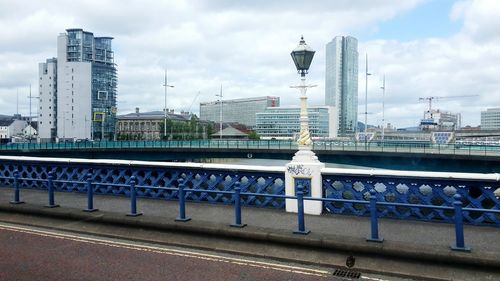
pixel 304 166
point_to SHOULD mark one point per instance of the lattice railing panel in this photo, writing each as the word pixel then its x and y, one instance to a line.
pixel 114 179
pixel 412 191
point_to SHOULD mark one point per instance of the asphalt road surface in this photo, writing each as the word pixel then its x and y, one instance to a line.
pixel 37 254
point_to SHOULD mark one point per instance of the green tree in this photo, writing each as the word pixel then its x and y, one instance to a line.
pixel 253 135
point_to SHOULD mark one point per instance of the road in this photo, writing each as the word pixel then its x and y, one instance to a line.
pixel 35 254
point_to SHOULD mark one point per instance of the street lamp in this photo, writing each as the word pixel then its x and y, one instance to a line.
pixel 383 110
pixel 302 57
pixel 220 117
pixel 165 111
pixel 366 101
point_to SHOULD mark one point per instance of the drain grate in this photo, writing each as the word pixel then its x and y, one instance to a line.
pixel 346 274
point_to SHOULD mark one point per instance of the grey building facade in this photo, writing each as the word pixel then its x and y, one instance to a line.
pixel 241 111
pixel 341 82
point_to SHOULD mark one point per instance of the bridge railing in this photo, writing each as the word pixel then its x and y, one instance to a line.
pixel 399 193
pixel 320 145
pixel 52 175
pixel 479 191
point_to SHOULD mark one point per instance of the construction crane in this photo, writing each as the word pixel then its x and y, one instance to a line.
pixel 429 99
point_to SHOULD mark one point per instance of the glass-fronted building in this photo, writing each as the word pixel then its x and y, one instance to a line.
pixel 284 122
pixel 85 103
pixel 490 119
pixel 242 111
pixel 341 82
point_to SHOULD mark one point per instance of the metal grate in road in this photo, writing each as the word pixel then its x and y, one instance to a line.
pixel 346 274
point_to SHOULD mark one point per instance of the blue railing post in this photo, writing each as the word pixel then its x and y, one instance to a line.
pixel 374 219
pixel 300 211
pixel 50 187
pixel 90 194
pixel 459 226
pixel 182 203
pixel 133 199
pixel 16 189
pixel 237 206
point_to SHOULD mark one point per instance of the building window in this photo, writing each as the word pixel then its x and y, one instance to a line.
pixel 102 95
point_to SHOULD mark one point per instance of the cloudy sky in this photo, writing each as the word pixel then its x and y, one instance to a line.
pixel 424 47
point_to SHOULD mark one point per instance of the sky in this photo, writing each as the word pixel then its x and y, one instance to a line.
pixel 423 47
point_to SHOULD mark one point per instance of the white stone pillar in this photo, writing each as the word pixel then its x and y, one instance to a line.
pixel 305 165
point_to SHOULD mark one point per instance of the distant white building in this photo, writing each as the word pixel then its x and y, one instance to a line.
pixel 241 111
pixel 284 122
pixel 490 119
pixel 30 131
pixel 438 120
pixel 16 128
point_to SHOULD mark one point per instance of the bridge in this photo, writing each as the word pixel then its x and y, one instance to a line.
pixel 367 213
pixel 391 155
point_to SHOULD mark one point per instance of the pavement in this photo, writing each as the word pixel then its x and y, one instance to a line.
pixel 410 248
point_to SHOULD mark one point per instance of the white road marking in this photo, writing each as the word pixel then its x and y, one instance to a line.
pixel 173 252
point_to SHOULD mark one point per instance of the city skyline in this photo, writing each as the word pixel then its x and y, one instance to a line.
pixel 425 48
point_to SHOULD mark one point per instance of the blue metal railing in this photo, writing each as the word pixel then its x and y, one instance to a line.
pixel 112 177
pixel 319 145
pixel 181 194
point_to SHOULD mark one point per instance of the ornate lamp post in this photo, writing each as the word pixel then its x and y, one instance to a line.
pixel 302 57
pixel 305 168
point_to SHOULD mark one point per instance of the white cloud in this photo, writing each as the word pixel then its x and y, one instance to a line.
pixel 245 46
pixel 463 64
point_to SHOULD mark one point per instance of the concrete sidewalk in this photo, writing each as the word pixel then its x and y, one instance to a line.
pixel 409 240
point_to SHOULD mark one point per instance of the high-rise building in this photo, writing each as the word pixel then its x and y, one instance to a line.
pixel 78 89
pixel 47 99
pixel 341 82
pixel 242 111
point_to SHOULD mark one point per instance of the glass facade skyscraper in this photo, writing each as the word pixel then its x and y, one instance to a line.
pixel 85 104
pixel 341 82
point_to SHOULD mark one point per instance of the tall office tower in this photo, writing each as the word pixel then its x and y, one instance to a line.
pixel 85 99
pixel 341 82
pixel 47 99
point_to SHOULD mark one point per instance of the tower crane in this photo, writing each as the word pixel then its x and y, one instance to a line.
pixel 429 99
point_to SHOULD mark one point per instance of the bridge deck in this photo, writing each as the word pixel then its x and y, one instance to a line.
pixel 409 239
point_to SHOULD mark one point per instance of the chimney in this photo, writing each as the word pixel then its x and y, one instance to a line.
pixel 137 110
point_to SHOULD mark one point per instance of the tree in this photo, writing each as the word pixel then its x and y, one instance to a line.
pixel 253 135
